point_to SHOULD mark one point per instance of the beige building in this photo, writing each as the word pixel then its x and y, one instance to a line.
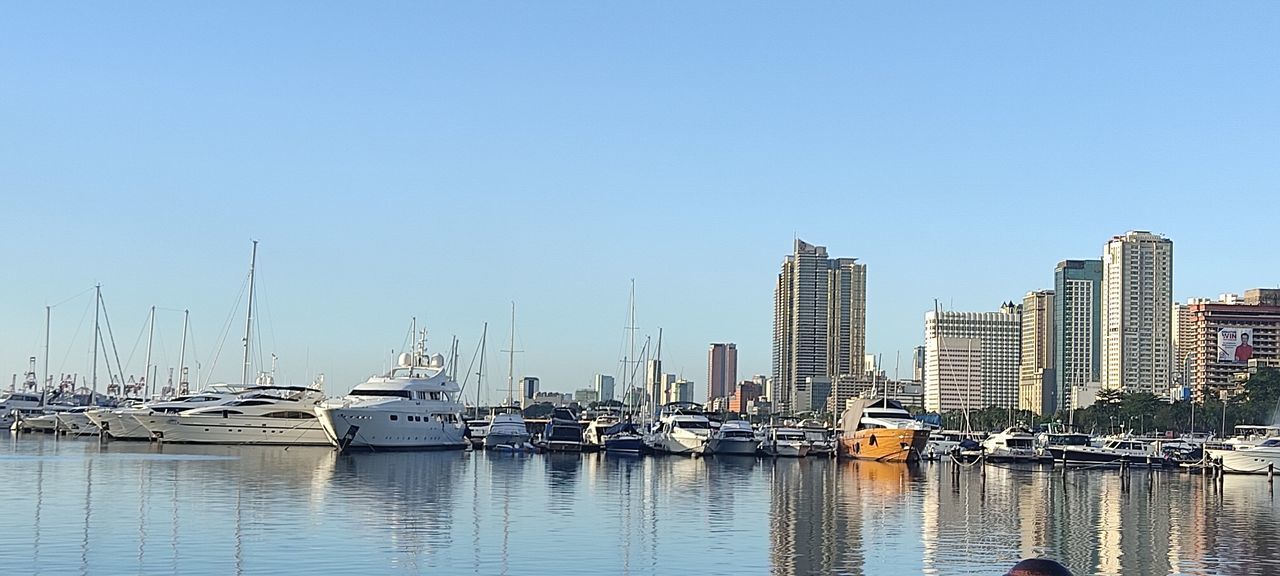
pixel 998 336
pixel 953 374
pixel 819 321
pixel 1036 377
pixel 1137 313
pixel 1229 339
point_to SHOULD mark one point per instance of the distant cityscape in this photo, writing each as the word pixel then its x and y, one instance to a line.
pixel 1106 324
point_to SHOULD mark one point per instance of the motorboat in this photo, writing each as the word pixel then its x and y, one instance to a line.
pixel 508 432
pixel 415 406
pixel 1058 437
pixel 594 433
pixel 1113 452
pixel 75 421
pixel 477 429
pixel 25 403
pixel 1013 444
pixel 881 429
pixel 943 443
pixel 45 422
pixel 563 432
pixel 822 441
pixel 682 428
pixel 788 442
pixel 1262 458
pixel 275 415
pixel 734 437
pixel 623 438
pixel 131 423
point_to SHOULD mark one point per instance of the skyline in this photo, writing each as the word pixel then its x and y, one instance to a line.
pixel 546 156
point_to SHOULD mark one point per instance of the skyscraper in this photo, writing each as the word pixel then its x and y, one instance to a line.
pixel 997 336
pixel 1077 326
pixel 604 387
pixel 1137 308
pixel 722 370
pixel 1036 382
pixel 819 319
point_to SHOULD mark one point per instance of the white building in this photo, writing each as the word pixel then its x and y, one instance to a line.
pixel 1137 313
pixel 952 374
pixel 604 387
pixel 999 337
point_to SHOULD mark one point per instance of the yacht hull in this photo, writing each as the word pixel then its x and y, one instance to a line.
pixel 732 447
pixel 785 451
pixel 355 429
pixel 76 423
pixel 510 441
pixel 678 443
pixel 885 444
pixel 1252 461
pixel 1090 456
pixel 200 429
pixel 624 445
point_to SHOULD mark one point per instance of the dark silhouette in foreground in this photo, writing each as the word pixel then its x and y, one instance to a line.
pixel 1038 567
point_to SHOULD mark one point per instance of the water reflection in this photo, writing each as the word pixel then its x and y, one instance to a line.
pixel 139 508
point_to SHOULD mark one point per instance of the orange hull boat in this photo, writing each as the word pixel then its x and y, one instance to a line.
pixel 885 444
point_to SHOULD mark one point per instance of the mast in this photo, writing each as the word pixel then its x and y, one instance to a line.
pixel 147 372
pixel 248 319
pixel 631 334
pixel 511 357
pixel 47 381
pixel 484 337
pixel 97 335
pixel 182 351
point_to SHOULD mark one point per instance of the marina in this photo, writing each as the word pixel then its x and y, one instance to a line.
pixel 138 507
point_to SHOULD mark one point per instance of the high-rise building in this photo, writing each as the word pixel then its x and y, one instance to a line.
pixel 722 370
pixel 684 390
pixel 1077 327
pixel 604 387
pixel 746 392
pixel 819 320
pixel 1228 339
pixel 1183 329
pixel 653 386
pixel 917 364
pixel 1036 382
pixel 998 334
pixel 529 385
pixel 1137 313
pixel 586 396
pixel 953 374
pixel 667 384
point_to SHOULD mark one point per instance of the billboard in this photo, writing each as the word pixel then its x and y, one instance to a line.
pixel 1235 345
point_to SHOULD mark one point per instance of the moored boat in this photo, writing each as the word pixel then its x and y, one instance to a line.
pixel 788 442
pixel 272 415
pixel 682 428
pixel 881 429
pixel 734 437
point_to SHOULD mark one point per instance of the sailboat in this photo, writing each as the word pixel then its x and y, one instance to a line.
pixel 623 437
pixel 508 431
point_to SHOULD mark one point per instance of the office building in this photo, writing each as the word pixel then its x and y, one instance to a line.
pixel 529 385
pixel 722 370
pixel 586 396
pixel 1183 329
pixel 953 374
pixel 604 387
pixel 745 393
pixel 819 323
pixel 998 335
pixel 684 391
pixel 1137 312
pixel 1036 382
pixel 917 364
pixel 1077 327
pixel 1228 338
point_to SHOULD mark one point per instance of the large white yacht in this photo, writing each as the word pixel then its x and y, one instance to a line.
pixel 1258 459
pixel 281 415
pixel 1013 444
pixel 734 437
pixel 414 406
pixel 681 429
pixel 131 423
pixel 779 441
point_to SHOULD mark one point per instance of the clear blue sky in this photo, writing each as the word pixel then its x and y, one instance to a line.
pixel 441 160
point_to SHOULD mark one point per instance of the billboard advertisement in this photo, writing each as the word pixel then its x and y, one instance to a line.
pixel 1235 345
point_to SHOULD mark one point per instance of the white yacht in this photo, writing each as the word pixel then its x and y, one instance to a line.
pixel 26 403
pixel 784 442
pixel 822 440
pixel 279 415
pixel 1258 459
pixel 734 437
pixel 131 423
pixel 46 422
pixel 1112 452
pixel 76 421
pixel 594 434
pixel 508 432
pixel 415 406
pixel 681 429
pixel 1013 444
pixel 944 442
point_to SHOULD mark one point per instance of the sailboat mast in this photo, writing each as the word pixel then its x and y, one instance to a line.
pixel 151 333
pixel 631 334
pixel 97 335
pixel 484 336
pixel 248 318
pixel 48 381
pixel 182 350
pixel 511 357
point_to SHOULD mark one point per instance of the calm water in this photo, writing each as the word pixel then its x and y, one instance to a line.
pixel 73 507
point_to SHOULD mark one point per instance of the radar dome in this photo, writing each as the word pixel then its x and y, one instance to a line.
pixel 406 360
pixel 437 361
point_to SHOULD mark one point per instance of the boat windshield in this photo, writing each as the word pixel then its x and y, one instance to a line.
pixel 692 425
pixel 373 392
